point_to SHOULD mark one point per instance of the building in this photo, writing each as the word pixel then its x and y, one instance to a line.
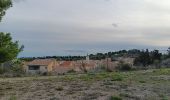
pixel 41 66
pixel 64 66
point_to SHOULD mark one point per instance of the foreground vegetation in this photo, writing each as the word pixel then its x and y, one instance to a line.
pixel 134 85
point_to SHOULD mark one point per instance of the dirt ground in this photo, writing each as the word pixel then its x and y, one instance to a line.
pixel 133 85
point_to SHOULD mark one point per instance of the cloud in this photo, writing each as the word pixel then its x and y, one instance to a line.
pixel 64 27
pixel 17 1
pixel 115 25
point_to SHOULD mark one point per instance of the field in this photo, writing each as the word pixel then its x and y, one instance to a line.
pixel 133 85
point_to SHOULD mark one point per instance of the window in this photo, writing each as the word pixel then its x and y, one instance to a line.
pixel 34 67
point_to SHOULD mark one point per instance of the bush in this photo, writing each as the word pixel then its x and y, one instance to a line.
pixel 115 98
pixel 13 69
pixel 116 77
pixel 71 71
pixel 1 70
pixel 124 66
pixel 17 69
pixel 13 98
pixel 59 88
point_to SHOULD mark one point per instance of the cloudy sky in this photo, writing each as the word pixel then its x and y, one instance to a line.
pixel 76 27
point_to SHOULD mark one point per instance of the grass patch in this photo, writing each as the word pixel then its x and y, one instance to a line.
pixel 69 78
pixel 164 71
pixel 13 98
pixel 163 97
pixel 87 77
pixel 117 77
pixel 142 81
pixel 115 98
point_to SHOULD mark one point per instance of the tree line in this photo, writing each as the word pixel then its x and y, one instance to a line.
pixel 142 57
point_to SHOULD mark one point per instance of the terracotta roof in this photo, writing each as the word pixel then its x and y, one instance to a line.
pixel 66 64
pixel 41 62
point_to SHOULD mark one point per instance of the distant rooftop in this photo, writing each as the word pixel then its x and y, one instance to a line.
pixel 41 62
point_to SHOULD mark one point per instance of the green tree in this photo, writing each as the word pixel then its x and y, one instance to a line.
pixel 4 5
pixel 168 53
pixel 143 58
pixel 155 55
pixel 8 49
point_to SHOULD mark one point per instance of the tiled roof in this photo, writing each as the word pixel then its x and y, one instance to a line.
pixel 41 62
pixel 66 64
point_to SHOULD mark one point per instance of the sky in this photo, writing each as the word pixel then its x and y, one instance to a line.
pixel 78 27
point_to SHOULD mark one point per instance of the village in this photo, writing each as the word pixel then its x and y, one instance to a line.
pixel 44 66
pixel 84 50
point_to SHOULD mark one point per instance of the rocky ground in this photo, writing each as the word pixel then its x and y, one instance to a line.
pixel 133 85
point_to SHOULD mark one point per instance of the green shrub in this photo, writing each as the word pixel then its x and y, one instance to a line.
pixel 115 98
pixel 12 68
pixel 124 66
pixel 71 71
pixel 17 69
pixel 59 88
pixel 125 95
pixel 13 98
pixel 1 70
pixel 116 77
pixel 142 81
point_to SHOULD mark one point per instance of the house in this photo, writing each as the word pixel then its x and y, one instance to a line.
pixel 81 65
pixel 41 66
pixel 64 67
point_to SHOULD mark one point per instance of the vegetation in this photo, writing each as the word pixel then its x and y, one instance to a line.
pixel 143 57
pixel 117 77
pixel 14 69
pixel 122 66
pixel 115 98
pixel 13 98
pixel 4 5
pixel 134 85
pixel 146 58
pixel 59 88
pixel 103 81
pixel 9 50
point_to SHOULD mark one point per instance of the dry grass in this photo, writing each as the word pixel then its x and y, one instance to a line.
pixel 133 85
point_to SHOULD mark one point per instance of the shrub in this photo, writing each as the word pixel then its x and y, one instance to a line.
pixel 59 88
pixel 54 98
pixel 12 69
pixel 71 71
pixel 115 98
pixel 117 77
pixel 17 69
pixel 1 70
pixel 13 98
pixel 141 81
pixel 124 66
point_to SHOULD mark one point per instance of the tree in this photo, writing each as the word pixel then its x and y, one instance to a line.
pixel 8 49
pixel 168 53
pixel 4 5
pixel 143 58
pixel 155 55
